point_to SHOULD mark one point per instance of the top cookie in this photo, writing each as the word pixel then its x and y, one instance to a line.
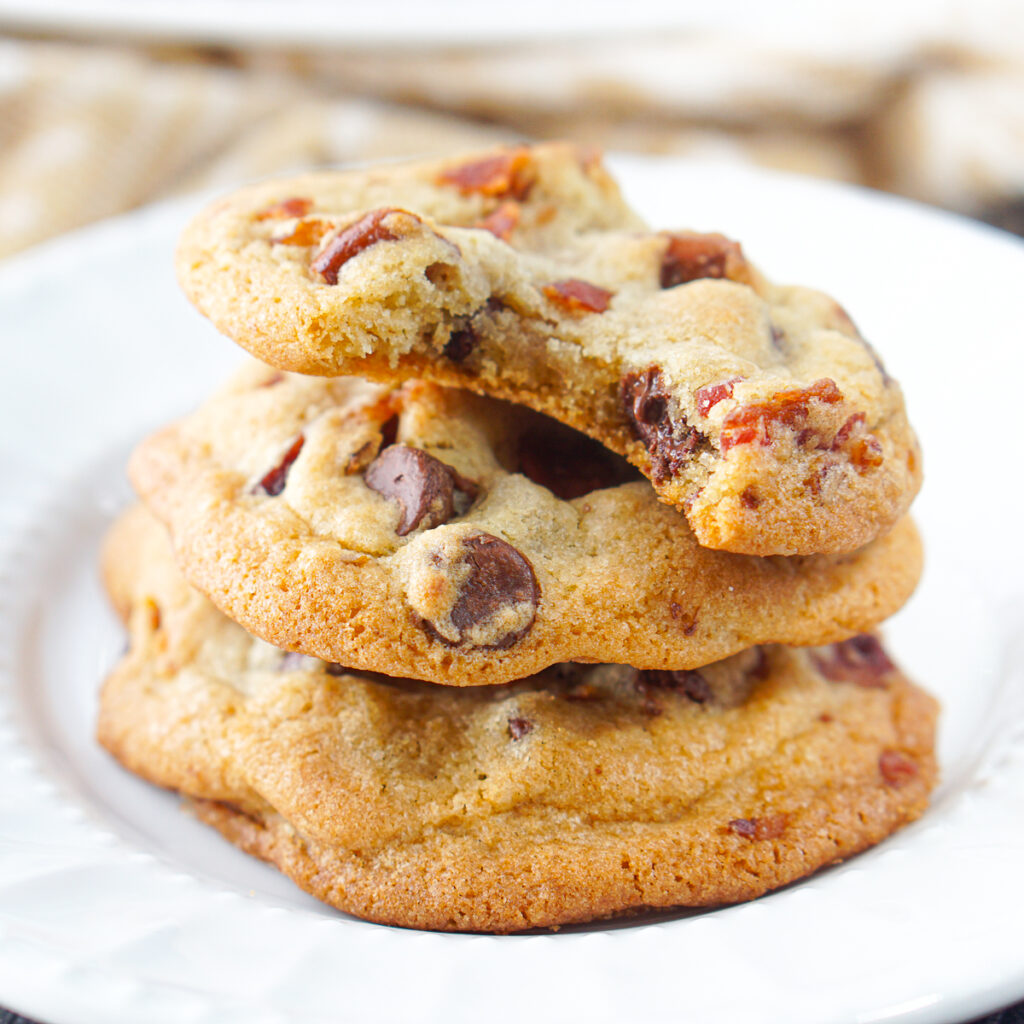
pixel 755 408
pixel 429 532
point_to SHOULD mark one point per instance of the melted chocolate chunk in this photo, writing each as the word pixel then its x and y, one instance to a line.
pixel 273 481
pixel 671 444
pixel 499 577
pixel 688 682
pixel 570 464
pixel 460 344
pixel 423 487
pixel 861 660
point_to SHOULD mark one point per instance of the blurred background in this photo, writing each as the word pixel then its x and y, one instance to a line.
pixel 109 104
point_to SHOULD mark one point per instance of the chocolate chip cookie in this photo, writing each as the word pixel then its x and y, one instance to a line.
pixel 429 532
pixel 757 409
pixel 576 794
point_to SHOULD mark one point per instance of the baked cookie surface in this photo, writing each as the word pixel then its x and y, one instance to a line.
pixel 428 532
pixel 755 408
pixel 577 794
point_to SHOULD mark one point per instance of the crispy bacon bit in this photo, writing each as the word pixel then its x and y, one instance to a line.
pixel 287 208
pixel 749 498
pixel 503 176
pixel 273 481
pixel 690 255
pixel 770 827
pixel 858 419
pixel 748 423
pixel 519 727
pixel 351 241
pixel 503 221
pixel 711 394
pixel 305 232
pixel 897 769
pixel 866 452
pixel 152 613
pixel 576 296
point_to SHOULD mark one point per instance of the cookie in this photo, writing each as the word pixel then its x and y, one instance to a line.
pixel 579 793
pixel 757 409
pixel 429 532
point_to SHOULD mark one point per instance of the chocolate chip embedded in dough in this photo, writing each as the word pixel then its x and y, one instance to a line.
pixel 861 660
pixel 423 487
pixel 461 344
pixel 570 464
pixel 500 581
pixel 688 682
pixel 670 443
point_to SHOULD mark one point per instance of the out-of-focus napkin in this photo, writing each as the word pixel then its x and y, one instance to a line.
pixel 92 129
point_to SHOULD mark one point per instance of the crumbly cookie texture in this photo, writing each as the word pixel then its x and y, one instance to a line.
pixel 429 532
pixel 757 409
pixel 576 794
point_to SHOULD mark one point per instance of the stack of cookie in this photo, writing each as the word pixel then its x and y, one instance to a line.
pixel 530 576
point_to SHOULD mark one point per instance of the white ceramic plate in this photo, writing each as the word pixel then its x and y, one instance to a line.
pixel 115 906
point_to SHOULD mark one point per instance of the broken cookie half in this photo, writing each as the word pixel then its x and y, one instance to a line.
pixel 758 410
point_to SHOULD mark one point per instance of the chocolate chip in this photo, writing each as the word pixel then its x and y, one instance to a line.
pixel 689 256
pixel 861 660
pixel 671 444
pixel 500 577
pixel 749 498
pixel 423 487
pixel 569 464
pixel 389 431
pixel 273 481
pixel 519 727
pixel 351 241
pixel 461 344
pixel 688 682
